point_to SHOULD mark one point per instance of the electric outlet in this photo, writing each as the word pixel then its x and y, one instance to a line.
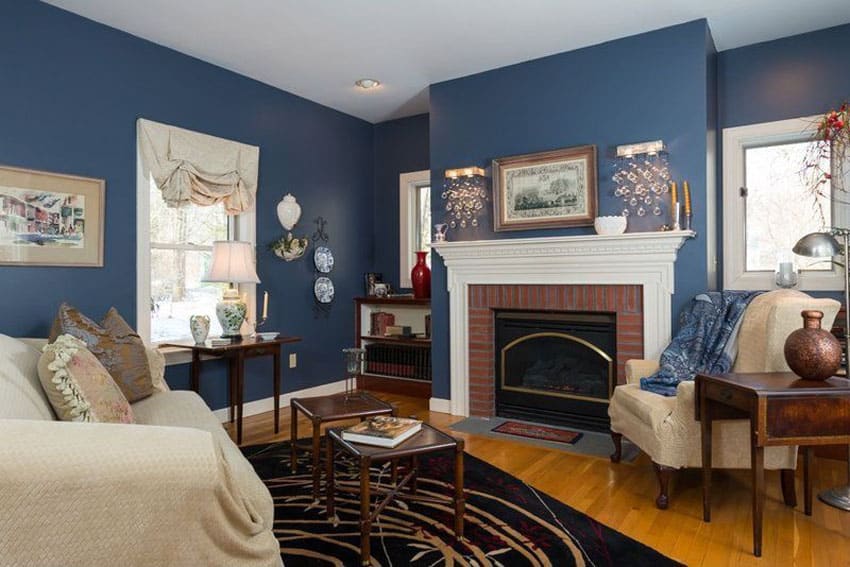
pixel 293 360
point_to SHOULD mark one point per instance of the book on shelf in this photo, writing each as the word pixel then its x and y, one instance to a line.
pixel 398 331
pixel 380 320
pixel 382 431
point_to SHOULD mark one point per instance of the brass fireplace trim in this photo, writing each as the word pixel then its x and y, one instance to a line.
pixel 538 391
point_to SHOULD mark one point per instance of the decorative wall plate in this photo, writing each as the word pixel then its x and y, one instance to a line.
pixel 324 259
pixel 323 289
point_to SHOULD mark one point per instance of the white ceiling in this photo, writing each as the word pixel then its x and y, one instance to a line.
pixel 318 48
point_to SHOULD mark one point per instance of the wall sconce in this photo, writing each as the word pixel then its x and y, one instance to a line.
pixel 464 192
pixel 642 176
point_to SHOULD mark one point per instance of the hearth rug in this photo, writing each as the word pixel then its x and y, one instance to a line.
pixel 589 443
pixel 507 523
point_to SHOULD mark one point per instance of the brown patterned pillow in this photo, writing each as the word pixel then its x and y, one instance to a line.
pixel 115 344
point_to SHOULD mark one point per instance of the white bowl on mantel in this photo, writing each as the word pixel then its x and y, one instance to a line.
pixel 610 225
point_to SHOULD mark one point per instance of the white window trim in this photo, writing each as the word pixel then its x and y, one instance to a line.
pixel 407 183
pixel 735 141
pixel 245 226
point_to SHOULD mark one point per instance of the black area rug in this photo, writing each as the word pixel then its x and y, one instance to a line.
pixel 508 523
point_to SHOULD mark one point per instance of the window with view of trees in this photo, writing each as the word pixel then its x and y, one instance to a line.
pixel 769 204
pixel 181 249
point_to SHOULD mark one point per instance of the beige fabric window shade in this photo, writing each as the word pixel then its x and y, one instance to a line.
pixel 190 167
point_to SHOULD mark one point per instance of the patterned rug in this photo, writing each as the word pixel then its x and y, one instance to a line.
pixel 508 523
pixel 538 432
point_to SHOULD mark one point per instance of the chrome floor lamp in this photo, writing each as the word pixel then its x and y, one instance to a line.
pixel 821 245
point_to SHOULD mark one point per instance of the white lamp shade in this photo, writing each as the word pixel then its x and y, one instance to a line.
pixel 232 262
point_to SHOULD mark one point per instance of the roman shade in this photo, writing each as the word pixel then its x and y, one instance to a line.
pixel 190 167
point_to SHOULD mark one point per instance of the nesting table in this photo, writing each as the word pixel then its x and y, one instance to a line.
pixel 429 440
pixel 324 409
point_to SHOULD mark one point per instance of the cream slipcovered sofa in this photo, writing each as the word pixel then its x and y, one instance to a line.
pixel 665 427
pixel 170 490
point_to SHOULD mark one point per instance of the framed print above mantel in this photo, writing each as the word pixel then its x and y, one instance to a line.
pixel 553 189
pixel 50 219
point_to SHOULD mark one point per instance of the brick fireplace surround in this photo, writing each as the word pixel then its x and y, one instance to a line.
pixel 624 300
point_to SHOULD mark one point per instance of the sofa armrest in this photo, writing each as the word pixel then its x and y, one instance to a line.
pixel 637 369
pixel 113 494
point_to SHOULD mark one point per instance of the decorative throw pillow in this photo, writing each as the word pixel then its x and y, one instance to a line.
pixel 78 386
pixel 115 344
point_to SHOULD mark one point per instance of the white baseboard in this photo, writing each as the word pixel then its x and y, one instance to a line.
pixel 441 405
pixel 267 404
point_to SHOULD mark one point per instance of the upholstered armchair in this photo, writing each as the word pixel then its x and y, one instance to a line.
pixel 665 427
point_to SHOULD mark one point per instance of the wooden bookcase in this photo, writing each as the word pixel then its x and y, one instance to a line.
pixel 400 365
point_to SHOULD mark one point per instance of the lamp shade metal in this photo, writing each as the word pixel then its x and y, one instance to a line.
pixel 817 245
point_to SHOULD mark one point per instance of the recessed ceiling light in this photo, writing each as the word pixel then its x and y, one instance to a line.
pixel 367 83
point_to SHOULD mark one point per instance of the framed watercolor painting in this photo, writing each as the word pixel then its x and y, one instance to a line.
pixel 545 190
pixel 50 219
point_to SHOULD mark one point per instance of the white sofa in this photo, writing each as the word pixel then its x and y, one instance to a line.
pixel 171 489
pixel 665 428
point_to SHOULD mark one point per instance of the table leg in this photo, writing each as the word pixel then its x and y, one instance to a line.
pixel 240 393
pixel 414 480
pixel 705 427
pixel 277 379
pixel 293 437
pixel 196 371
pixel 317 447
pixel 460 501
pixel 365 515
pixel 231 384
pixel 807 480
pixel 757 458
pixel 330 480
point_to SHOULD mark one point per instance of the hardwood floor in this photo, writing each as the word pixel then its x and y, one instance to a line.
pixel 622 496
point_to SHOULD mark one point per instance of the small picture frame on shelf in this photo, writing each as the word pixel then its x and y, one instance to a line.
pixel 371 279
pixel 382 289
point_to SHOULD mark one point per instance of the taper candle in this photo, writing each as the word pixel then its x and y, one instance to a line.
pixel 687 190
pixel 674 194
pixel 265 304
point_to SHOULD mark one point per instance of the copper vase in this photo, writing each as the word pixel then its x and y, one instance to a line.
pixel 812 353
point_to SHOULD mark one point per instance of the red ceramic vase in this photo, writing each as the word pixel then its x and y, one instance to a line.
pixel 420 276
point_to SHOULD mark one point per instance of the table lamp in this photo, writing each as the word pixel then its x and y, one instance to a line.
pixel 232 263
pixel 819 245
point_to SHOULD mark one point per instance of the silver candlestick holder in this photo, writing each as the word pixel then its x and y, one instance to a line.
pixel 353 367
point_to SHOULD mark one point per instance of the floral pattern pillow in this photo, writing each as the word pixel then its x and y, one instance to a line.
pixel 78 386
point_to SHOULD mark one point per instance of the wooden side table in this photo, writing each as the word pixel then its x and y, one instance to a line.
pixel 236 353
pixel 783 409
pixel 429 440
pixel 324 409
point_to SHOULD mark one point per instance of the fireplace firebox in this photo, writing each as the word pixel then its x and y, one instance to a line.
pixel 556 367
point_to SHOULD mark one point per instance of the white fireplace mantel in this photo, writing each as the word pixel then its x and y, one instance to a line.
pixel 640 258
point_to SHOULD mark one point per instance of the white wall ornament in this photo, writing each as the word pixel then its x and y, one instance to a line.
pixel 288 211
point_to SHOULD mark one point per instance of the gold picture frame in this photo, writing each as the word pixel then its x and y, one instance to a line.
pixel 553 189
pixel 50 219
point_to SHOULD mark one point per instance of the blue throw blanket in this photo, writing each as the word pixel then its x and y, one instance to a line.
pixel 707 340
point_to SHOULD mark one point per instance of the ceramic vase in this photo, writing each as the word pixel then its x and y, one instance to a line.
pixel 200 327
pixel 812 353
pixel 420 277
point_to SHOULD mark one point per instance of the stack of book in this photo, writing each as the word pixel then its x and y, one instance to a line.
pixel 403 361
pixel 382 431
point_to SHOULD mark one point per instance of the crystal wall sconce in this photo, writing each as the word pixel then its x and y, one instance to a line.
pixel 641 175
pixel 464 192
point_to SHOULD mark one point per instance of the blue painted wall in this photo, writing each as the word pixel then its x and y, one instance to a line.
pixel 401 146
pixel 71 92
pixel 785 78
pixel 645 87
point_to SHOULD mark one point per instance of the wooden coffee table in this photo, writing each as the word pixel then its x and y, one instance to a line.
pixel 782 409
pixel 429 440
pixel 325 409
